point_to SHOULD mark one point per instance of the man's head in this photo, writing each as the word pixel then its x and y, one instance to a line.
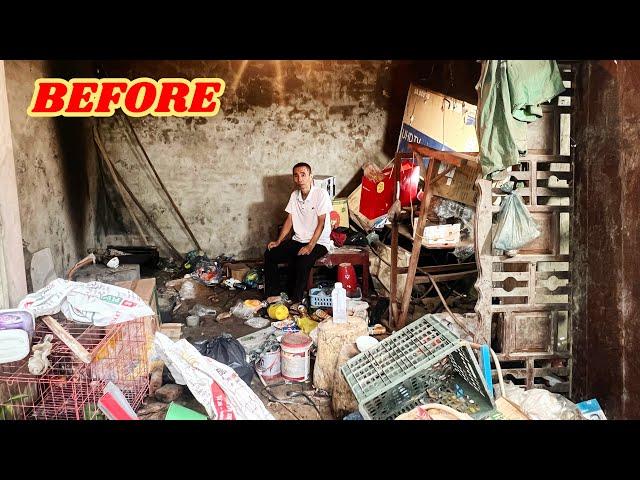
pixel 302 176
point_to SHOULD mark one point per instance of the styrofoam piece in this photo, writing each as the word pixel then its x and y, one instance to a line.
pixel 42 269
pixel 366 342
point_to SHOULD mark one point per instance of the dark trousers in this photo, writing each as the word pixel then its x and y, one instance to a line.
pixel 299 267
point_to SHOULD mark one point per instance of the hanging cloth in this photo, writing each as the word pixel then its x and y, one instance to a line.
pixel 510 94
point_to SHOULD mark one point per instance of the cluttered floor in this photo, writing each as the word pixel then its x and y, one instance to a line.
pixel 180 300
pixel 271 358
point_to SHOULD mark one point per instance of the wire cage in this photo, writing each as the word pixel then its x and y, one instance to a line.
pixel 422 363
pixel 70 389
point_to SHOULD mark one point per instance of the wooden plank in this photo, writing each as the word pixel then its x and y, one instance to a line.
pixel 447 277
pixel 482 241
pixel 393 298
pixel 559 274
pixel 450 158
pixel 66 338
pixel 553 192
pixel 563 290
pixel 534 306
pixel 501 276
pixel 516 292
pixel 417 244
pixel 542 208
pixel 531 258
pixel 503 357
pixel 542 175
pixel 544 158
pixel 560 175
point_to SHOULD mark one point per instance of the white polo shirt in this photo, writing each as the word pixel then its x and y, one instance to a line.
pixel 304 214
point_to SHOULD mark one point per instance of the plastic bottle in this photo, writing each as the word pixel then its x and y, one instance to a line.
pixel 339 303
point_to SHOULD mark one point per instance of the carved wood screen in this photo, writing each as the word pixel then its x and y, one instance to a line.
pixel 524 301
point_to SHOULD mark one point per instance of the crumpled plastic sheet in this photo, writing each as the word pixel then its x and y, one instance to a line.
pixel 201 310
pixel 541 404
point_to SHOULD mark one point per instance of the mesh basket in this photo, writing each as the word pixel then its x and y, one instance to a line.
pixel 422 363
pixel 318 300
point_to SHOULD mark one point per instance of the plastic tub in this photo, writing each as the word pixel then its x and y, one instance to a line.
pixel 16 332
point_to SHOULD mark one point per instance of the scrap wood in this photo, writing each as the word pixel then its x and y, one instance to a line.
pixel 66 338
pixel 105 157
pixel 89 259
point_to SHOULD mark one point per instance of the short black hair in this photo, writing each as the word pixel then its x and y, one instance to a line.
pixel 302 164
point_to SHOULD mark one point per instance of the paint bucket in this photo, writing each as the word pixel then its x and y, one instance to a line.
pixel 268 366
pixel 295 356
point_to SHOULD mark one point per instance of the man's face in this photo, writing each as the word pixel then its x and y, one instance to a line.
pixel 302 178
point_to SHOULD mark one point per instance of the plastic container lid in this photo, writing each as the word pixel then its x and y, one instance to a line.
pixel 15 318
pixel 296 340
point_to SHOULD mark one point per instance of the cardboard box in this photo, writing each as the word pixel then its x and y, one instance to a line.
pixel 443 123
pixel 341 207
pixel 327 182
pixel 591 410
pixel 438 121
pixel 172 330
pixel 237 271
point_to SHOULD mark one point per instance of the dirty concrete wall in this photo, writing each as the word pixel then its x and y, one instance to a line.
pixel 56 168
pixel 230 175
pixel 607 267
pixel 13 285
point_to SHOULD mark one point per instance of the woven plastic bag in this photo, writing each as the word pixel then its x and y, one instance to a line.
pixel 215 385
pixel 516 226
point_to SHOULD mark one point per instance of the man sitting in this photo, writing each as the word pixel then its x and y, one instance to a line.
pixel 308 211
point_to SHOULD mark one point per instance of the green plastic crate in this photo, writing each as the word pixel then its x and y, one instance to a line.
pixel 394 376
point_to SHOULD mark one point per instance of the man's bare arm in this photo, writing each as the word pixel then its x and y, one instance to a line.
pixel 286 228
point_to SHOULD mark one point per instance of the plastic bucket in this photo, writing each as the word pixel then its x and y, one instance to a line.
pixel 295 356
pixel 269 365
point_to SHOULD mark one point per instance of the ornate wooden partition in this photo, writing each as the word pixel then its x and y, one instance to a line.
pixel 524 301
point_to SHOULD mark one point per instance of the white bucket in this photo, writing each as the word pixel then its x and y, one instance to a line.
pixel 269 365
pixel 295 355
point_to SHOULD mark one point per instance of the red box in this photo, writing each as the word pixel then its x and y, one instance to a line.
pixel 376 198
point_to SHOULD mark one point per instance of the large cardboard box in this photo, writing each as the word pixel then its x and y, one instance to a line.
pixel 443 123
